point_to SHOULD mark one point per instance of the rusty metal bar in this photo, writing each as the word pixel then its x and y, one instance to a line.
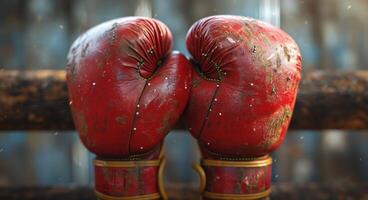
pixel 332 100
pixel 37 100
pixel 34 100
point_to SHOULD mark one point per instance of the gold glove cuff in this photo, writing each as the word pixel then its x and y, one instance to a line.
pixel 135 163
pixel 263 161
pixel 257 162
pixel 237 196
pixel 132 163
pixel 139 197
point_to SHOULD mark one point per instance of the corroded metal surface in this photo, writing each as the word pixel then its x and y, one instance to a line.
pixel 332 100
pixel 31 100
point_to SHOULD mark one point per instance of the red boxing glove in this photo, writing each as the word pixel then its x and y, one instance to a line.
pixel 241 102
pixel 126 92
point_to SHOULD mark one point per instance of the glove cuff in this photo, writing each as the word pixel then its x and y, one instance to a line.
pixel 228 179
pixel 129 180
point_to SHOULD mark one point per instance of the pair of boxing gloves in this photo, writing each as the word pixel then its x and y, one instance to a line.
pixel 127 90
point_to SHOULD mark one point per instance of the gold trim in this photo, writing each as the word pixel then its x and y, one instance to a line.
pixel 202 176
pixel 162 152
pixel 260 162
pixel 139 197
pixel 136 163
pixel 161 187
pixel 133 163
pixel 237 196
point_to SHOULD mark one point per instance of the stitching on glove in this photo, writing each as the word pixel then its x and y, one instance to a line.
pixel 136 113
pixel 209 110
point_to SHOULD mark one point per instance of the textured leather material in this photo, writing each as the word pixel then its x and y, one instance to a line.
pixel 126 88
pixel 126 178
pixel 244 87
pixel 241 177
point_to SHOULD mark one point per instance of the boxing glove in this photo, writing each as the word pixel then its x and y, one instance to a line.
pixel 127 90
pixel 244 88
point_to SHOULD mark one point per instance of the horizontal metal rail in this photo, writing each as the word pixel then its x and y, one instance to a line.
pixel 37 100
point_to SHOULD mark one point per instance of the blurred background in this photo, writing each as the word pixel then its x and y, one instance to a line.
pixel 36 34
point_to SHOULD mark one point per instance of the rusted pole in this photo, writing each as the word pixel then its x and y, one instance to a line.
pixel 37 100
pixel 34 100
pixel 332 100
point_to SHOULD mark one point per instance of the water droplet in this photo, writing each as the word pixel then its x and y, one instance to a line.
pixel 138 105
pixel 137 113
pixel 134 129
pixel 254 49
pixel 61 26
pixel 148 84
pixel 166 78
pixel 141 147
pixel 217 178
pixel 150 51
pixel 349 7
pixel 70 102
pixel 220 114
pixel 185 87
pixel 208 144
pixel 215 99
pixel 250 105
pixel 217 85
pixel 210 109
pixel 301 137
pixel 254 129
pixel 276 175
pixel 251 84
pixel 56 133
pixel 231 40
pixel 269 57
pixel 93 83
pixel 273 90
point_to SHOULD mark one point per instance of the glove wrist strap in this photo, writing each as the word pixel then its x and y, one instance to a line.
pixel 129 180
pixel 228 179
